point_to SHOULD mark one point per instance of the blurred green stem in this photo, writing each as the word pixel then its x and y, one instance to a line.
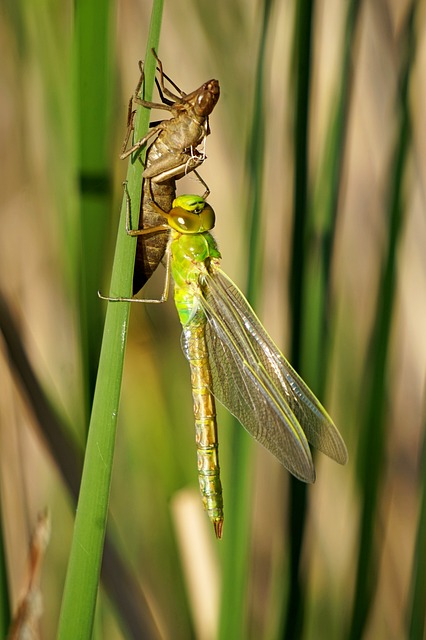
pixel 313 240
pixel 81 586
pixel 120 584
pixel 297 504
pixel 417 603
pixel 373 435
pixel 237 539
pixel 321 225
pixel 5 613
pixel 94 82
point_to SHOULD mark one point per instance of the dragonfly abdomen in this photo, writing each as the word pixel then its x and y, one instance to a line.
pixel 205 424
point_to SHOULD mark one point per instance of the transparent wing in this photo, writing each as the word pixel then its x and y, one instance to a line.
pixel 258 385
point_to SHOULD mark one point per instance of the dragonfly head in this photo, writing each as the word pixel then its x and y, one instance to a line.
pixel 204 99
pixel 190 215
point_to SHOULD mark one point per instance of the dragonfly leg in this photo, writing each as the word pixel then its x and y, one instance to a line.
pixel 162 89
pixel 136 99
pixel 207 191
pixel 146 103
pixel 164 295
pixel 137 232
pixel 140 143
pixel 124 153
pixel 165 104
pixel 142 232
pixel 130 127
pixel 120 299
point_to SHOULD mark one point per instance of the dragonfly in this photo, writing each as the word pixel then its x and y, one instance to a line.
pixel 171 156
pixel 234 360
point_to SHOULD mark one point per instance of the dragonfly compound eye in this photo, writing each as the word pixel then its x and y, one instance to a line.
pixel 191 214
pixel 207 98
pixel 196 221
pixel 184 221
pixel 208 218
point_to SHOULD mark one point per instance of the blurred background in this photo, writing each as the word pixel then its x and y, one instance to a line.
pixel 317 167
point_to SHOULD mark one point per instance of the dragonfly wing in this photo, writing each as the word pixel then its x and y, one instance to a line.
pixel 243 392
pixel 230 315
pixel 247 392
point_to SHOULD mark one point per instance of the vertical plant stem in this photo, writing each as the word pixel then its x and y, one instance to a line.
pixel 372 444
pixel 237 538
pixel 313 246
pixel 79 599
pixel 322 224
pixel 417 604
pixel 5 613
pixel 121 586
pixel 94 82
pixel 297 503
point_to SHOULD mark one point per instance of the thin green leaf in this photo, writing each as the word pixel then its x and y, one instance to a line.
pixel 416 617
pixel 5 617
pixel 79 599
pixel 238 499
pixel 94 79
pixel 297 505
pixel 373 435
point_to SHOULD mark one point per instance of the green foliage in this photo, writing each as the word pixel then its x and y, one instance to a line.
pixel 5 616
pixel 81 586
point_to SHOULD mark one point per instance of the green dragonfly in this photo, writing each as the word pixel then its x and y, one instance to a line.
pixel 233 359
